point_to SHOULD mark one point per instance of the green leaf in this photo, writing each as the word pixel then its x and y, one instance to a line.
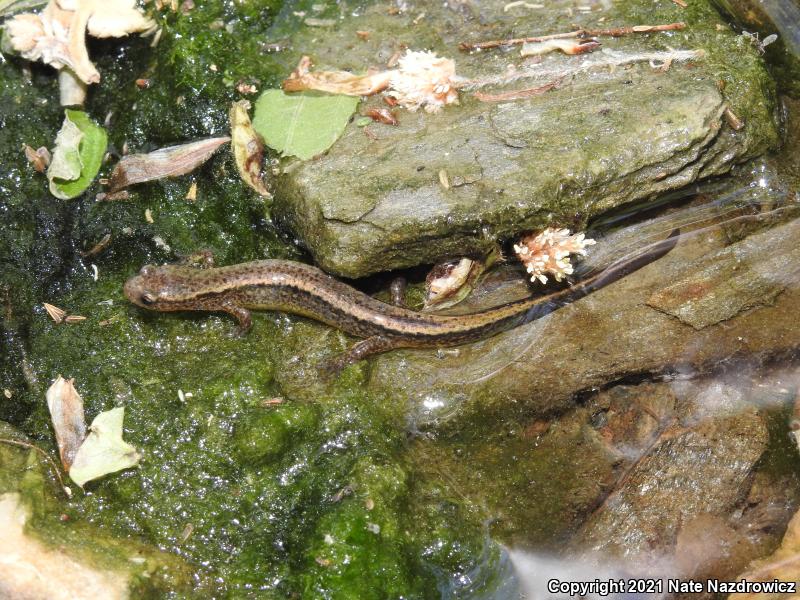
pixel 302 125
pixel 80 146
pixel 103 451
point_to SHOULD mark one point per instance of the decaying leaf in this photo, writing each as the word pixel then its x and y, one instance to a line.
pixel 66 163
pixel 80 146
pixel 104 450
pixel 66 414
pixel 57 35
pixel 301 125
pixel 164 162
pixel 450 282
pixel 248 148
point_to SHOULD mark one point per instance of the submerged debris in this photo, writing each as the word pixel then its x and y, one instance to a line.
pixel 335 82
pixel 57 314
pixel 548 252
pixel 450 282
pixel 567 46
pixel 382 115
pixel 424 80
pixel 98 247
pixel 77 156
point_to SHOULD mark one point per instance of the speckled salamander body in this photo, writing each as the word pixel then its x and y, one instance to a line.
pixel 305 290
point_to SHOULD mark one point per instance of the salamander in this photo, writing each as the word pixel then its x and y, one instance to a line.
pixel 301 289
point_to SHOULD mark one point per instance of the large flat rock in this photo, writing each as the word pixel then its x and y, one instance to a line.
pixel 607 135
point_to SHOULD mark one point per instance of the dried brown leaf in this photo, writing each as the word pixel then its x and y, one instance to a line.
pixel 57 314
pixel 335 82
pixel 382 115
pixel 98 247
pixel 39 158
pixel 66 414
pixel 248 148
pixel 567 46
pixel 165 162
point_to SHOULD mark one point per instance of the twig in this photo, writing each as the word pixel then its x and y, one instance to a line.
pixel 46 456
pixel 600 60
pixel 578 33
pixel 517 94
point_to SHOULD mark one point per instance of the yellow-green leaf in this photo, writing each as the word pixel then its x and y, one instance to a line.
pixel 302 125
pixel 103 451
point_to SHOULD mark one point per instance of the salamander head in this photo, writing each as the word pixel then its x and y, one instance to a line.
pixel 163 288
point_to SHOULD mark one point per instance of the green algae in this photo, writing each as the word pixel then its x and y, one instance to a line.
pixel 233 496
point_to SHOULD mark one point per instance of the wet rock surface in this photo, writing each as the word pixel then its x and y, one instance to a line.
pixel 768 18
pixel 678 478
pixel 375 202
pixel 616 333
pixel 702 454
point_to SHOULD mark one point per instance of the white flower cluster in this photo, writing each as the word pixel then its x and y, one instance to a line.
pixel 424 80
pixel 548 252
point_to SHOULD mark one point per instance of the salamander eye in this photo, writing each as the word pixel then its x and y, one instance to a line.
pixel 147 299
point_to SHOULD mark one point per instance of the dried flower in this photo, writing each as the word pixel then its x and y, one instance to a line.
pixel 424 80
pixel 549 252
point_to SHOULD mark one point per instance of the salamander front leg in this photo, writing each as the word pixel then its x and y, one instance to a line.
pixel 359 351
pixel 202 259
pixel 242 315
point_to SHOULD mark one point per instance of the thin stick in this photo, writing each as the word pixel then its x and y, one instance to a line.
pixel 517 94
pixel 43 453
pixel 578 33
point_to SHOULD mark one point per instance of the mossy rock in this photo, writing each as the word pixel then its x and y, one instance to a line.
pixel 605 136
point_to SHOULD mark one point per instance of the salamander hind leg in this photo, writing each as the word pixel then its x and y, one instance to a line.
pixel 242 315
pixel 359 351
